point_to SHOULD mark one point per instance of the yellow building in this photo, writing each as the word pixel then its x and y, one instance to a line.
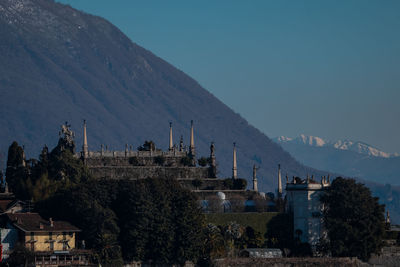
pixel 41 235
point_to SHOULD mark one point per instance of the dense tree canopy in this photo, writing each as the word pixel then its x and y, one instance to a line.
pixel 39 179
pixel 153 220
pixel 150 219
pixel 354 220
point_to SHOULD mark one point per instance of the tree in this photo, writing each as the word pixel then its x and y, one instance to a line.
pixel 353 218
pixel 186 161
pixel 232 233
pixel 159 160
pixel 203 161
pixel 147 146
pixel 213 243
pixel 239 184
pixel 38 180
pixel 251 238
pixel 188 224
pixel 280 231
pixel 17 173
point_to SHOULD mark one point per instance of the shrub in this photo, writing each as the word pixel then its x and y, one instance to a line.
pixel 134 161
pixel 228 183
pixel 203 161
pixel 239 184
pixel 147 146
pixel 186 161
pixel 159 160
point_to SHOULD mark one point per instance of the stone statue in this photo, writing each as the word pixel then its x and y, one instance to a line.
pixel 67 138
pixel 213 163
pixel 67 134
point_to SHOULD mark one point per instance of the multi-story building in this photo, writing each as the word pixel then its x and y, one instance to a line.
pixel 52 242
pixel 303 201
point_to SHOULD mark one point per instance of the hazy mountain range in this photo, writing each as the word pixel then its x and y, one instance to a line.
pixel 350 158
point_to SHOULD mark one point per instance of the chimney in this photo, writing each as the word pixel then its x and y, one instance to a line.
pixel 51 222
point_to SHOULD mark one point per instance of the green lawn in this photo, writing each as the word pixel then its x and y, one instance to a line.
pixel 257 220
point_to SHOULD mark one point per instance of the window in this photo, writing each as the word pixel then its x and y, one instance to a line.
pixel 32 236
pixel 50 235
pixel 51 245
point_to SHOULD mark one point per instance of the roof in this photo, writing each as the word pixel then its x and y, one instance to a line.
pixel 6 204
pixel 31 222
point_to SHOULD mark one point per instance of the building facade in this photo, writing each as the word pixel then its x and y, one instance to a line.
pixel 303 202
pixel 38 234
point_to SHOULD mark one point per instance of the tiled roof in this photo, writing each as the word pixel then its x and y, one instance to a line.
pixel 32 222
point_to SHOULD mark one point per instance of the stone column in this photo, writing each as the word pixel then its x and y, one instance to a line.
pixel 234 165
pixel 213 163
pixel 171 143
pixel 192 150
pixel 85 151
pixel 279 181
pixel 255 185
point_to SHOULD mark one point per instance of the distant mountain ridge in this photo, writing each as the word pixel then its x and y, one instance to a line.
pixel 377 169
pixel 355 146
pixel 352 159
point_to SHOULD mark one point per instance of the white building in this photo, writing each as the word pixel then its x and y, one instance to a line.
pixel 303 201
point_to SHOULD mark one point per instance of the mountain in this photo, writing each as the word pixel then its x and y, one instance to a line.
pixel 355 159
pixel 59 64
pixel 355 146
pixel 379 170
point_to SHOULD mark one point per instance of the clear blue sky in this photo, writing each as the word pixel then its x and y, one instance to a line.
pixel 323 68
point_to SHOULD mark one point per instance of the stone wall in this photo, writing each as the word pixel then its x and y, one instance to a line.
pixel 289 262
pixel 389 256
pixel 142 172
pixel 135 160
pixel 209 184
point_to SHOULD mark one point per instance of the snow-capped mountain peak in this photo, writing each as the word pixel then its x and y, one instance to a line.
pixel 312 140
pixel 358 147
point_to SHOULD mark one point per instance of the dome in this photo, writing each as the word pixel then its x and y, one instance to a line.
pixel 221 195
